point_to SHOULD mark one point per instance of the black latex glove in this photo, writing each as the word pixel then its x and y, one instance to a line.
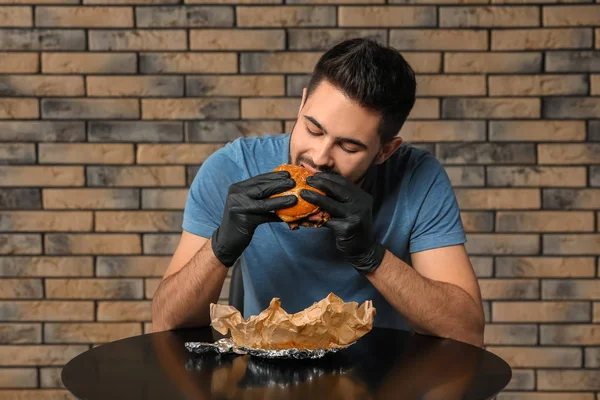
pixel 351 219
pixel 247 206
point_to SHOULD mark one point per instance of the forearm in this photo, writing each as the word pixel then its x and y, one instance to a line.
pixel 429 306
pixel 183 299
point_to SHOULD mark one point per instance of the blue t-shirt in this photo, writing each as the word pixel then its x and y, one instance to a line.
pixel 415 209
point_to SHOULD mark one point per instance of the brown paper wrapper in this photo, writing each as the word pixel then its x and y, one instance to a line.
pixel 330 323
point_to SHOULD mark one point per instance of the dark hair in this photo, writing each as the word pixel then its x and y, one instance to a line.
pixel 376 77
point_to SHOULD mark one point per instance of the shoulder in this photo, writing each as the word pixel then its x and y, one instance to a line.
pixel 410 163
pixel 259 145
pixel 237 159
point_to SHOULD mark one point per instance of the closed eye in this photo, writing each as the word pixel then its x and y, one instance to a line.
pixel 313 133
pixel 347 150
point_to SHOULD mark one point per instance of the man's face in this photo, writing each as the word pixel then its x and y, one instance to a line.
pixel 335 134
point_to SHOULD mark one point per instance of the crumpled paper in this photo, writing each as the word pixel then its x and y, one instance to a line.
pixel 329 323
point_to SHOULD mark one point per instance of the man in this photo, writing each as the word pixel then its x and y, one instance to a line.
pixel 395 236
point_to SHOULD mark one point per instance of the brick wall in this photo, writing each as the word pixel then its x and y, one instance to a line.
pixel 107 108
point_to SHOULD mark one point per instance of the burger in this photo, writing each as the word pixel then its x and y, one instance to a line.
pixel 302 213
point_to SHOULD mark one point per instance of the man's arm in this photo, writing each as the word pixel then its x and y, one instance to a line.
pixel 196 273
pixel 439 297
pixel 192 281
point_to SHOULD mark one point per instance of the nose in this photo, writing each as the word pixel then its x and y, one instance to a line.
pixel 322 156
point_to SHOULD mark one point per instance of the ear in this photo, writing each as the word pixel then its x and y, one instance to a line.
pixel 388 149
pixel 304 91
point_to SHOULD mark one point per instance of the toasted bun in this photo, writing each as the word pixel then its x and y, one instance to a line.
pixel 302 208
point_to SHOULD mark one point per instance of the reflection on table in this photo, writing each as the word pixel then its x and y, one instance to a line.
pixel 380 365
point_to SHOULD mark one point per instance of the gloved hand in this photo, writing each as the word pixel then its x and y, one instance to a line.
pixel 247 206
pixel 351 219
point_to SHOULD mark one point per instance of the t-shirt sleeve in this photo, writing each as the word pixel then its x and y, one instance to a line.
pixel 438 222
pixel 207 194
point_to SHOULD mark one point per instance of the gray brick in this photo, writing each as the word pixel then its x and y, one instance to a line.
pixel 295 84
pixel 504 62
pixel 497 289
pixel 592 357
pixel 511 334
pixel 487 243
pixel 135 131
pixel 544 221
pixel 51 378
pixel 542 267
pixel 522 379
pixel 190 108
pixel 17 153
pixel 171 199
pixel 571 199
pixel 555 380
pixel 44 266
pixel 537 131
pixel 42 39
pixel 485 153
pixel 132 266
pixel 190 173
pixel 39 85
pixel 439 39
pixel 490 108
pixel 483 266
pixel 90 108
pixel 594 131
pixel 140 39
pixel 487 310
pixel 235 85
pixel 21 288
pixel 11 333
pixel 42 131
pixel 465 176
pixel 575 244
pixel 20 199
pixel 522 176
pixel 20 244
pixel 225 131
pixel 136 176
pixel 160 243
pixel 323 39
pixel 595 176
pixel 389 16
pixel 486 17
pixel 571 289
pixel 541 311
pixel 569 334
pixel 573 61
pixel 478 221
pixel 444 131
pixel 184 16
pixel 280 62
pixel 286 16
pixel 188 63
pixel 572 107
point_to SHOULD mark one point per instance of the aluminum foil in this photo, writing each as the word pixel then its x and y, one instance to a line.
pixel 226 345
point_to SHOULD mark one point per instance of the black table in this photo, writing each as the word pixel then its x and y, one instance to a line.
pixel 384 364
